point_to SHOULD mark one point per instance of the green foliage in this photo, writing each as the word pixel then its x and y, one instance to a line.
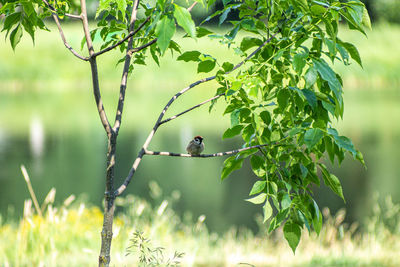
pixel 23 15
pixel 286 95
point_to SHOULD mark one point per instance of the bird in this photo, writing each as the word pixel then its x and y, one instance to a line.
pixel 195 146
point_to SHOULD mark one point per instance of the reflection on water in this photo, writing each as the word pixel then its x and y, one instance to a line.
pixel 36 137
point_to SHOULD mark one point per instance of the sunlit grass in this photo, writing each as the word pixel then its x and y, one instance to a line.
pixel 69 235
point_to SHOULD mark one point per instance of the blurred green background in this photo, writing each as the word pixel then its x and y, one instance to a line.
pixel 49 122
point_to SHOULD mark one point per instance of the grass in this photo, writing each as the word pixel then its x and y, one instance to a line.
pixel 69 235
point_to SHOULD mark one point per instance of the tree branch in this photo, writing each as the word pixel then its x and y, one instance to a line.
pixel 56 20
pixel 192 6
pixel 190 109
pixel 95 74
pixel 117 123
pixel 137 49
pixel 219 154
pixel 142 152
pixel 131 33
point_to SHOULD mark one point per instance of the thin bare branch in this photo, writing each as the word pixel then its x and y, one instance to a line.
pixel 190 109
pixel 95 74
pixel 56 20
pixel 54 11
pixel 131 33
pixel 124 79
pixel 86 30
pixel 143 151
pixel 219 154
pixel 192 6
pixel 137 49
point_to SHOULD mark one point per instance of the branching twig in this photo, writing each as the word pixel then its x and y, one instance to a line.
pixel 142 152
pixel 190 109
pixel 137 49
pixel 192 6
pixel 125 71
pixel 95 75
pixel 56 20
pixel 220 154
pixel 131 33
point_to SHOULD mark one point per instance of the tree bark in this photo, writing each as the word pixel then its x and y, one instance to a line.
pixel 109 204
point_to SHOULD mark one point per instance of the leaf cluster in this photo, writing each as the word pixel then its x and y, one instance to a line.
pixel 287 95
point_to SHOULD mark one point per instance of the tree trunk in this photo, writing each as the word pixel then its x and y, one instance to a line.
pixel 109 204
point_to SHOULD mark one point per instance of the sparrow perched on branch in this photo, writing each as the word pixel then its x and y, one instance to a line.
pixel 195 146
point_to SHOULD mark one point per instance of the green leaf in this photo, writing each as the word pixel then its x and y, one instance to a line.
pixel 311 98
pixel 330 76
pixel 206 66
pixel 294 131
pixel 356 11
pixel 231 132
pixel 10 20
pixel 317 10
pixel 342 141
pixel 292 233
pixel 366 21
pixel 154 55
pixel 227 66
pixel 165 29
pixel 15 36
pixel 29 28
pixel 331 181
pixel 231 164
pixel 28 8
pixel 346 143
pixel 201 32
pixel 235 117
pixel 248 133
pixel 248 25
pixel 257 187
pixel 257 199
pixel 266 117
pixel 283 98
pixel 299 61
pixel 312 137
pixel 310 77
pixel 190 56
pixel 121 4
pixel 103 5
pixel 224 15
pixel 184 19
pixel 317 218
pixel 257 164
pixel 353 52
pixel 279 218
pixel 286 201
pixel 249 42
pixel 267 211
